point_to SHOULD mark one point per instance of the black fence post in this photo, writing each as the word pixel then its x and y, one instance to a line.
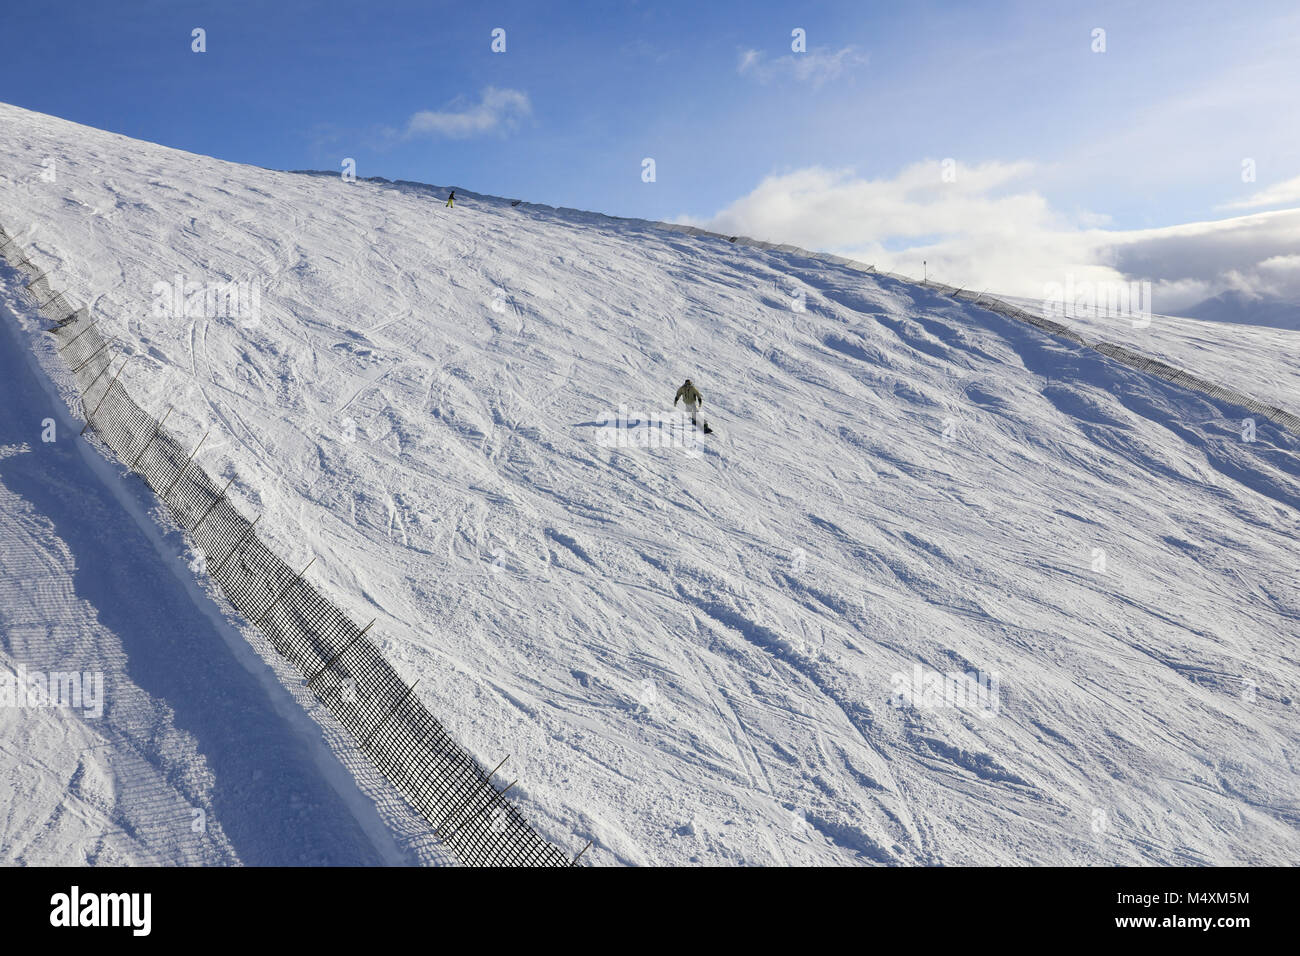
pixel 392 710
pixel 93 323
pixel 107 366
pixel 215 501
pixel 91 356
pixel 181 474
pixel 288 584
pixel 105 395
pixel 235 546
pixel 496 797
pixel 465 801
pixel 156 428
pixel 331 662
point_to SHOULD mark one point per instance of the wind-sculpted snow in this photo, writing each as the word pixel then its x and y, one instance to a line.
pixel 940 588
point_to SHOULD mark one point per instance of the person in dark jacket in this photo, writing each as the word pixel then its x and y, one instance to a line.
pixel 451 200
pixel 691 396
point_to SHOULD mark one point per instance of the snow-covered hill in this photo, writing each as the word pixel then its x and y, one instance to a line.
pixel 1249 358
pixel 708 654
pixel 137 726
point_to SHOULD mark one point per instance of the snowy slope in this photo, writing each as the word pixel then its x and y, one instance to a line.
pixel 693 657
pixel 165 741
pixel 1253 359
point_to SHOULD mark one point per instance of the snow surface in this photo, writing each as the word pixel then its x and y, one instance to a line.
pixel 183 749
pixel 1257 360
pixel 694 657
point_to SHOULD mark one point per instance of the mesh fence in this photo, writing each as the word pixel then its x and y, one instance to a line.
pixel 342 666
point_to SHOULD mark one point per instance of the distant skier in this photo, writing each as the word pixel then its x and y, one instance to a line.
pixel 689 394
pixel 451 200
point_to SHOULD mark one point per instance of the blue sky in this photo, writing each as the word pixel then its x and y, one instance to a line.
pixel 1149 134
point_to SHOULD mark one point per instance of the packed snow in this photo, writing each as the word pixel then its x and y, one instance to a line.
pixel 729 649
pixel 1253 359
pixel 137 725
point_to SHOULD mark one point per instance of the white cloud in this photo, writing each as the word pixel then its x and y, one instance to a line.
pixel 989 230
pixel 816 66
pixel 1276 195
pixel 833 208
pixel 1257 254
pixel 496 109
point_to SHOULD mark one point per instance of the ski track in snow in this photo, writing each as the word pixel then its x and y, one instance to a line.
pixel 194 755
pixel 895 479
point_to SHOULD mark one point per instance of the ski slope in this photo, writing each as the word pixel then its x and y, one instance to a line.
pixel 694 655
pixel 166 741
pixel 1251 356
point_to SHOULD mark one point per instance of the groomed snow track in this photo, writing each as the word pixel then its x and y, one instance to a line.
pixel 343 668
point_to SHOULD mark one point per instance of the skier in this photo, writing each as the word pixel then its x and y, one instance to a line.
pixel 451 200
pixel 693 399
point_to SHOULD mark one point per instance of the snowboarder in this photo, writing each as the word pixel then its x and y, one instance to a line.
pixel 694 400
pixel 451 200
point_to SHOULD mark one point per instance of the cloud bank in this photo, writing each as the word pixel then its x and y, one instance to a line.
pixel 982 227
pixel 1275 195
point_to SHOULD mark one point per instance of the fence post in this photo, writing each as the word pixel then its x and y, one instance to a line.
pixel 186 467
pixel 391 710
pixel 156 428
pixel 93 323
pixel 258 622
pixel 330 663
pixel 235 547
pixel 497 767
pixel 496 795
pixel 91 356
pixel 105 395
pixel 215 501
pixel 94 380
pixel 465 801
